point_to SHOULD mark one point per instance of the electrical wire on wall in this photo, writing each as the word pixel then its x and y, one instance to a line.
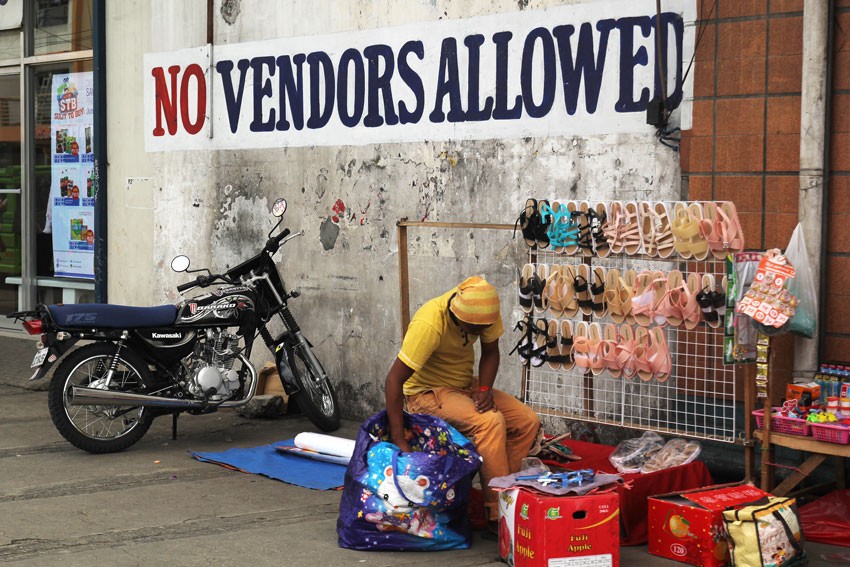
pixel 660 115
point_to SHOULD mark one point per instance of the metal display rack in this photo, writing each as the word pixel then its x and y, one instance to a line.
pixel 698 398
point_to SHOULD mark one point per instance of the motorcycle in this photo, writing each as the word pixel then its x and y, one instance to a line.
pixel 144 362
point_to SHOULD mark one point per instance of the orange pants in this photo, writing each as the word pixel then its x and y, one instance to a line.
pixel 502 436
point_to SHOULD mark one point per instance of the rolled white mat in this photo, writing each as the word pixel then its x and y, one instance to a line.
pixel 327 444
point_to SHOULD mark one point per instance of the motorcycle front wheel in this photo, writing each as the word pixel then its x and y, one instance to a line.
pixel 316 396
pixel 100 429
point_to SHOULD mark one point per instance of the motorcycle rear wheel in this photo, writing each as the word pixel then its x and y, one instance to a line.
pixel 316 396
pixel 100 429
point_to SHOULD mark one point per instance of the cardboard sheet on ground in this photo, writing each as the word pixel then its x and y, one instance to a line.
pixel 268 461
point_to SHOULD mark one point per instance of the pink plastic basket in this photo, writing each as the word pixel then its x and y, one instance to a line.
pixel 787 425
pixel 831 433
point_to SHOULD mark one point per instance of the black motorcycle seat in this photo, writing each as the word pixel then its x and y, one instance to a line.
pixel 109 316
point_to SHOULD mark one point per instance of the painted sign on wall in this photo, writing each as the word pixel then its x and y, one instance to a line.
pixel 71 185
pixel 580 69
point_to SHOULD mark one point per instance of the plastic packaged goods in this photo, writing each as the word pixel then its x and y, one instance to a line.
pixel 674 453
pixel 631 454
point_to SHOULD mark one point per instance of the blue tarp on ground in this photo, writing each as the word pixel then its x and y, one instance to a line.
pixel 268 461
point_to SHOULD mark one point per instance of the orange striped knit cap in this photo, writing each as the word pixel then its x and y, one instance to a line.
pixel 476 302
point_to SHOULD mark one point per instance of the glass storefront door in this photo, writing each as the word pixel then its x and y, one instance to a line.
pixel 11 245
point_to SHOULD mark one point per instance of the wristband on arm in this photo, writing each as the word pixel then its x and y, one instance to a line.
pixel 483 388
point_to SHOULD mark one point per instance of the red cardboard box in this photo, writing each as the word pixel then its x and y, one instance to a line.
pixel 688 526
pixel 559 531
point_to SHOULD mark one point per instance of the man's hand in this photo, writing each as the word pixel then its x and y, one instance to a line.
pixel 483 400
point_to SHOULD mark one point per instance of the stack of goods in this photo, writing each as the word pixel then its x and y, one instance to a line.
pixel 649 453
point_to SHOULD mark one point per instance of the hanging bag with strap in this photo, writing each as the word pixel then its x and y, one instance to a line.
pixel 766 533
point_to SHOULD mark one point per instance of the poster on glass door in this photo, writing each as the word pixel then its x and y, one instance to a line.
pixel 71 192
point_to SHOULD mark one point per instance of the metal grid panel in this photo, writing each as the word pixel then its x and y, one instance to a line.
pixel 698 398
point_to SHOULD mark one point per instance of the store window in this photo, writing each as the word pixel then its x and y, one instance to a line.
pixel 63 176
pixel 61 25
pixel 10 192
pixel 10 45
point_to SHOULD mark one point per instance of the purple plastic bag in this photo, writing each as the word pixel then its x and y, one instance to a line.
pixel 407 501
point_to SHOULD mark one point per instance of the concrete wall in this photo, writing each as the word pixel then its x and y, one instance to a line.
pixel 214 206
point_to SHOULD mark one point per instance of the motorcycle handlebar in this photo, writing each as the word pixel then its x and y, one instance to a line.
pixel 272 246
pixel 274 242
pixel 187 285
pixel 202 281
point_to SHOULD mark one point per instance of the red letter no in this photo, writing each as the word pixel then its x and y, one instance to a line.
pixel 166 99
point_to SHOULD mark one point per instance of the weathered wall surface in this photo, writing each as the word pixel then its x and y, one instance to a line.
pixel 214 206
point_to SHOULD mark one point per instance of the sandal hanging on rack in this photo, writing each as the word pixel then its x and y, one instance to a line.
pixel 612 229
pixel 597 292
pixel 710 300
pixel 562 232
pixel 618 296
pixel 685 230
pixel 585 350
pixel 541 342
pixel 527 223
pixel 660 362
pixel 668 310
pixel 594 331
pixel 554 291
pixel 541 302
pixel 598 219
pixel 628 283
pixel 553 347
pixel 566 336
pixel 527 283
pixel 541 229
pixel 582 287
pixel 626 348
pixel 698 245
pixel 630 232
pixel 642 361
pixel 664 242
pixel 585 238
pixel 689 306
pixel 569 301
pixel 525 345
pixel 647 228
pixel 609 351
pixel 643 300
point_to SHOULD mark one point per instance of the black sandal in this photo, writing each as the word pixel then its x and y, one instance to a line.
pixel 710 303
pixel 526 347
pixel 527 223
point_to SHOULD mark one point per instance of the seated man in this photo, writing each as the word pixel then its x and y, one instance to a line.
pixel 433 373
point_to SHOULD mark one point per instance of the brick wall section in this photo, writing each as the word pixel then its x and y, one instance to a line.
pixel 745 143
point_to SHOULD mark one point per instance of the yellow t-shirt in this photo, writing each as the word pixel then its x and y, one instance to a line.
pixel 437 350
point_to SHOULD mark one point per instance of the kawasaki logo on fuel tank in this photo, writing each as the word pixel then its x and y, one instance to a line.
pixel 166 335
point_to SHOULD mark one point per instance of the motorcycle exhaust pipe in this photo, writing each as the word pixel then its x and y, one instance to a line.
pixel 92 397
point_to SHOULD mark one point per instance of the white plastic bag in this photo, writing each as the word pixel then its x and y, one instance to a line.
pixel 802 286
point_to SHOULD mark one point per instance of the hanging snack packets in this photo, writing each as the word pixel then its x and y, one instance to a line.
pixel 768 301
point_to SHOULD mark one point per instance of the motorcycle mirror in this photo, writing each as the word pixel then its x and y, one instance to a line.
pixel 279 207
pixel 180 263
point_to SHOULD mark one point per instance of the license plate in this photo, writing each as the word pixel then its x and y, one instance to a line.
pixel 39 357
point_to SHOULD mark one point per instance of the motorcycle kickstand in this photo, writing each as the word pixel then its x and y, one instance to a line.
pixel 174 425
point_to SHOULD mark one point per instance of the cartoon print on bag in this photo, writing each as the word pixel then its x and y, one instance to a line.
pixel 400 514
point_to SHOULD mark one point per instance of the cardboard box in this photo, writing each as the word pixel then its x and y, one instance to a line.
pixel 688 526
pixel 559 531
pixel 796 391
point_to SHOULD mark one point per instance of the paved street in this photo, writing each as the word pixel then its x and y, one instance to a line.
pixel 154 504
